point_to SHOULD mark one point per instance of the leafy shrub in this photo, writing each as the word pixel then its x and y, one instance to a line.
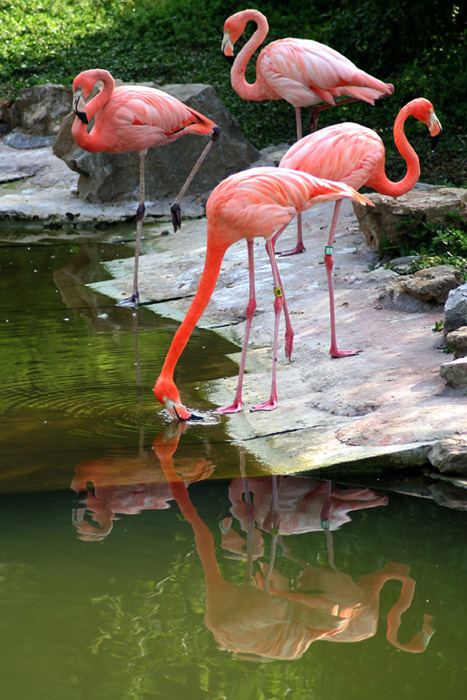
pixel 179 41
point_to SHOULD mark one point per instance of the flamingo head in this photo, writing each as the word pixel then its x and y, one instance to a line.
pixel 424 111
pixel 233 30
pixel 167 394
pixel 227 46
pixel 84 84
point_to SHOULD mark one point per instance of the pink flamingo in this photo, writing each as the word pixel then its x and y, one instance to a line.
pixel 354 154
pixel 134 118
pixel 300 71
pixel 252 203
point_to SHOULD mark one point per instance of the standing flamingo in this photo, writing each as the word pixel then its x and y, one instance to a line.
pixel 301 71
pixel 252 203
pixel 134 118
pixel 354 154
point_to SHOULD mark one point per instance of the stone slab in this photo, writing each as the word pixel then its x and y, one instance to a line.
pixel 385 406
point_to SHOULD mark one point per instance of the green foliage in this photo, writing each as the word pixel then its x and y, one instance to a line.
pixel 420 48
pixel 431 243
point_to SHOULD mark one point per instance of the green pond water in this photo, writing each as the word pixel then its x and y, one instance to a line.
pixel 144 559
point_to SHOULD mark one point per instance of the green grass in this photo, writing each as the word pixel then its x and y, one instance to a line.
pixel 165 41
pixel 179 41
pixel 433 244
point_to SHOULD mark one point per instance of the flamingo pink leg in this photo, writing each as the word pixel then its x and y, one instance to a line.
pixel 289 333
pixel 299 248
pixel 237 404
pixel 279 304
pixel 134 299
pixel 329 262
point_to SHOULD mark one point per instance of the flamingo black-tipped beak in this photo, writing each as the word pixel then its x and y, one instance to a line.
pixel 79 108
pixel 227 48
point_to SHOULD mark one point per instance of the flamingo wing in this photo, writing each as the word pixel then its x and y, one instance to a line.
pixel 260 201
pixel 305 72
pixel 348 153
pixel 139 117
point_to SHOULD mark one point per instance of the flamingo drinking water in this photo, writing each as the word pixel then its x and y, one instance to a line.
pixel 354 154
pixel 246 205
pixel 134 118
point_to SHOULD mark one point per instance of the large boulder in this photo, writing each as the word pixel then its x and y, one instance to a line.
pixel 423 204
pixel 450 455
pixel 36 115
pixel 111 177
pixel 455 309
pixel 422 290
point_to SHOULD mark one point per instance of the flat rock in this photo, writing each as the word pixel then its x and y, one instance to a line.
pixel 455 372
pixel 431 285
pixel 449 456
pixel 383 408
pixel 423 204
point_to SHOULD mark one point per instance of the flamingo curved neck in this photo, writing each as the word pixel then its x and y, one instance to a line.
pixel 82 137
pixel 382 183
pixel 207 283
pixel 249 91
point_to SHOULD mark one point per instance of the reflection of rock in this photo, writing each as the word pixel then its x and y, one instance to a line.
pixel 429 287
pixel 433 204
pixel 450 494
pixel 108 177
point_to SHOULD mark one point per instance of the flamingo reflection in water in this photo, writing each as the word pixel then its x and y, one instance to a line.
pixel 109 487
pixel 267 619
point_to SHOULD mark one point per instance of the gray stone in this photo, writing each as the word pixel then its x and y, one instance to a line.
pixel 432 284
pixel 17 139
pixel 422 291
pixel 450 455
pixel 5 115
pixel 112 177
pixel 455 372
pixel 384 220
pixel 458 341
pixel 39 110
pixel 455 309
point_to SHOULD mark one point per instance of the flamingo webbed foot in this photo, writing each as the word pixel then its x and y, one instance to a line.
pixel 299 248
pixel 132 301
pixel 235 407
pixel 216 132
pixel 335 354
pixel 266 406
pixel 176 216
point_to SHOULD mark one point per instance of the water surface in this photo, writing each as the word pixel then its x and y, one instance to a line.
pixel 141 559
